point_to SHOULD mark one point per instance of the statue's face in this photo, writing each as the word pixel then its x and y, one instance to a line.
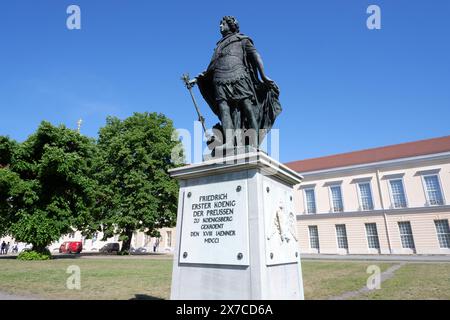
pixel 224 28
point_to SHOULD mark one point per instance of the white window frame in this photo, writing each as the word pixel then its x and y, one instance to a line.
pixel 169 235
pixel 146 240
pixel 367 238
pixel 309 238
pixel 412 235
pixel 336 237
pixel 424 185
pixel 391 194
pixel 358 190
pixel 305 200
pixel 437 233
pixel 94 237
pixel 330 196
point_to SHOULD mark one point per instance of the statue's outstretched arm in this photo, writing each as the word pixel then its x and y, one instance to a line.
pixel 260 65
pixel 200 75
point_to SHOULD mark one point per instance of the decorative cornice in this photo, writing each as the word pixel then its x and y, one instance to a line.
pixel 245 161
pixel 363 179
pixel 393 176
pixel 377 165
pixel 368 213
pixel 427 172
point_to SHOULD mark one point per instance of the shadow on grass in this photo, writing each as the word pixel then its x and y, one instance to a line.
pixel 54 257
pixel 65 256
pixel 145 297
pixel 60 256
pixel 2 257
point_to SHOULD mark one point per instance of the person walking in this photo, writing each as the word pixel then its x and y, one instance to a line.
pixel 155 245
pixel 7 248
pixel 2 248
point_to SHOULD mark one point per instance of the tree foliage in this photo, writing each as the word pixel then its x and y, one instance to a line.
pixel 136 191
pixel 46 185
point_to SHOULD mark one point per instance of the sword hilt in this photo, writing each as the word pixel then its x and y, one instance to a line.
pixel 187 81
pixel 189 85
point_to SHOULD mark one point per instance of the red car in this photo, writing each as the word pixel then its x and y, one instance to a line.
pixel 71 247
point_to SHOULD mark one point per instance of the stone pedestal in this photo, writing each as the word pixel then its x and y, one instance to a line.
pixel 236 231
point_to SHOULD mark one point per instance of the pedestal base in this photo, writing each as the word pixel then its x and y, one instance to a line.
pixel 236 231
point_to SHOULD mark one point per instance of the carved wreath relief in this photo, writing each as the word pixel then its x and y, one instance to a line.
pixel 283 224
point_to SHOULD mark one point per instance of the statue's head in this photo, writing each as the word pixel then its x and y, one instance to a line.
pixel 229 24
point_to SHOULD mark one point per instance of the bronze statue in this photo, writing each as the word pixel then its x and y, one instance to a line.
pixel 237 89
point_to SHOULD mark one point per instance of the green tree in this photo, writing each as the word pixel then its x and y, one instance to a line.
pixel 7 147
pixel 136 190
pixel 46 185
pixel 8 181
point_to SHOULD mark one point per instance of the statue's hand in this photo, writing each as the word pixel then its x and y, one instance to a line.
pixel 200 75
pixel 268 81
pixel 193 82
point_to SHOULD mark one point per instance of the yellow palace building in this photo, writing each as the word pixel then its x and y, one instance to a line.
pixel 387 200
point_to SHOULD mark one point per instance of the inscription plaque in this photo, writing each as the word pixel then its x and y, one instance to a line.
pixel 215 224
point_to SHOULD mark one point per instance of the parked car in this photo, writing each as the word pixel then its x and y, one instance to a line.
pixel 24 247
pixel 71 247
pixel 138 250
pixel 110 247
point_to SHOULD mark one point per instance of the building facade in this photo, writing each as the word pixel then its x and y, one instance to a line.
pixel 139 240
pixel 389 200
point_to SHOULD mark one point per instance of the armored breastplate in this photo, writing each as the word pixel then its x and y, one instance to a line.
pixel 229 60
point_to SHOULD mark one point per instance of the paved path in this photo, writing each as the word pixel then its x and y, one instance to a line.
pixel 394 258
pixel 389 273
pixel 8 296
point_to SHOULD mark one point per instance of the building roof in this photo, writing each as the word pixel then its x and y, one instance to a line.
pixel 398 151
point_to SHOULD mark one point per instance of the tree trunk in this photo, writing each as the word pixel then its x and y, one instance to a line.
pixel 39 249
pixel 127 243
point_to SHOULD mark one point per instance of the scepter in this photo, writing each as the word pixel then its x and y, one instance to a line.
pixel 189 85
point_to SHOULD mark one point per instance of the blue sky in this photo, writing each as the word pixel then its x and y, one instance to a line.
pixel 343 87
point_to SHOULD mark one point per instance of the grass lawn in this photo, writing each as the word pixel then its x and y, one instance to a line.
pixel 415 281
pixel 325 279
pixel 147 278
pixel 100 278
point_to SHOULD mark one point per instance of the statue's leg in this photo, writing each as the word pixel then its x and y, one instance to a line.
pixel 227 122
pixel 250 112
pixel 252 132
